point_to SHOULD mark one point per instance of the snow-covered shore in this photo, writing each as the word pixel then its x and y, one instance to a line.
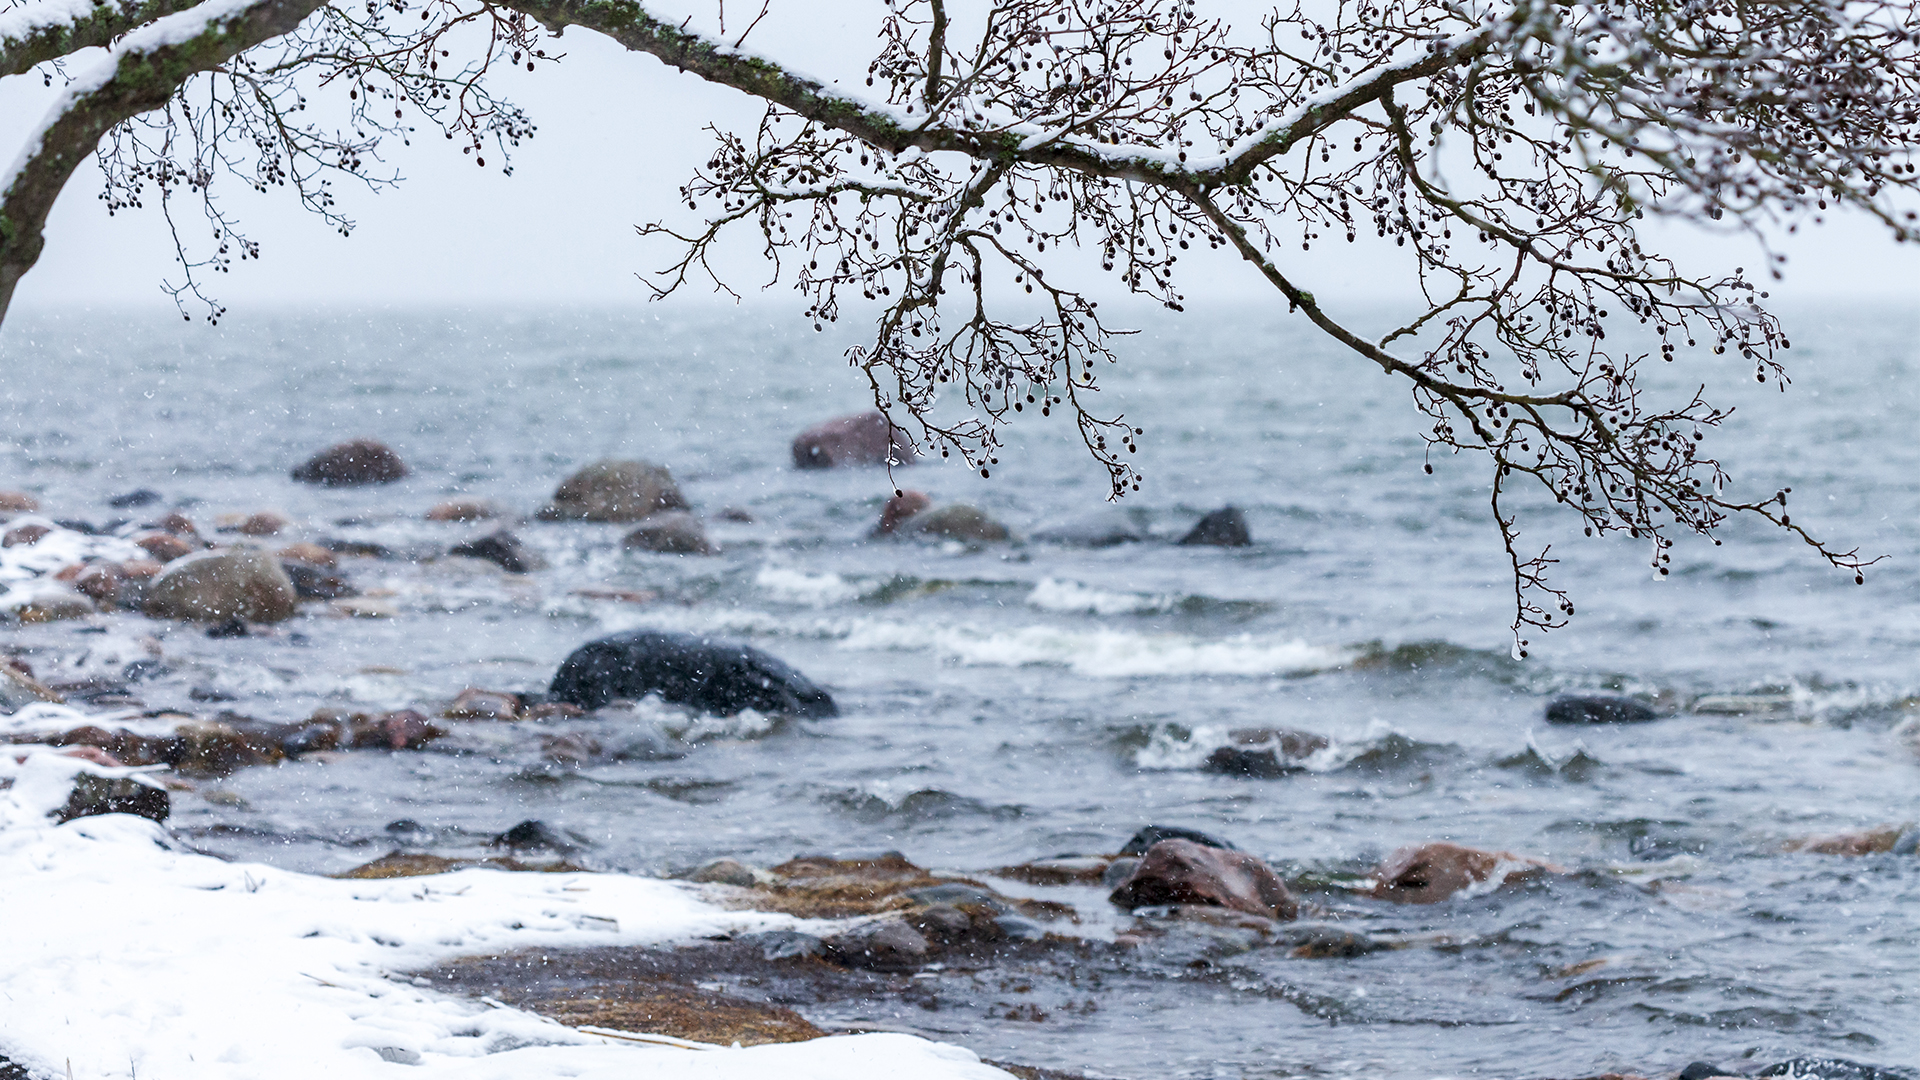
pixel 123 955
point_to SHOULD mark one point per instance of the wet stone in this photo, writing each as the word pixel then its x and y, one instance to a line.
pixel 136 498
pixel 1153 834
pixel 1225 527
pixel 717 677
pixel 1598 709
pixel 504 550
pixel 313 583
pixel 614 491
pixel 535 835
pixel 348 464
pixel 1184 872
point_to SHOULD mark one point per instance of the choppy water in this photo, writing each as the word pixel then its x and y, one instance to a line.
pixel 1023 700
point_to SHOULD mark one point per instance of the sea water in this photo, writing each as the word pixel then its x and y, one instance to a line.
pixel 1003 702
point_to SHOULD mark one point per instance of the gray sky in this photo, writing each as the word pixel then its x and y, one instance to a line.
pixel 618 133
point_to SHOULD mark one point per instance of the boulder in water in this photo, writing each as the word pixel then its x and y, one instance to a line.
pixel 25 535
pixel 867 438
pixel 361 461
pixel 1429 873
pixel 1597 709
pixel 1225 527
pixel 1264 752
pixel 614 491
pixel 504 550
pixel 1183 872
pixel 718 677
pixel 956 522
pixel 135 498
pixel 671 532
pixel 463 510
pixel 165 546
pixel 239 583
pixel 902 506
pixel 18 502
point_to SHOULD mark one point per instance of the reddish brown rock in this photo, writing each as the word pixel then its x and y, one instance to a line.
pixel 141 569
pixel 1864 842
pixel 102 581
pixel 95 755
pixel 264 523
pixel 1429 873
pixel 472 704
pixel 1183 872
pixel 614 491
pixel 463 510
pixel 165 547
pixel 309 553
pixel 178 524
pixel 867 438
pixel 403 730
pixel 24 535
pixel 899 508
pixel 17 502
pixel 360 461
pixel 553 710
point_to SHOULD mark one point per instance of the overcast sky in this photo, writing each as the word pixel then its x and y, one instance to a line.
pixel 618 133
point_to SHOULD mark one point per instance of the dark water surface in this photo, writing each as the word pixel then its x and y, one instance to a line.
pixel 1023 700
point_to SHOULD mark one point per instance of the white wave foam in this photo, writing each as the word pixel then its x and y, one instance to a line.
pixel 800 587
pixel 1054 594
pixel 1109 653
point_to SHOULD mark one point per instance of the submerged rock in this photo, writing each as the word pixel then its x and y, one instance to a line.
pixel 1893 839
pixel 1183 872
pixel 1429 873
pixel 463 510
pixel 718 677
pixel 472 704
pixel 349 464
pixel 94 794
pixel 1597 709
pixel 1225 527
pixel 885 945
pixel 1264 752
pixel 1097 531
pixel 504 550
pixel 614 491
pixel 314 583
pixel 671 532
pixel 535 835
pixel 956 522
pixel 1153 834
pixel 135 498
pixel 867 438
pixel 238 583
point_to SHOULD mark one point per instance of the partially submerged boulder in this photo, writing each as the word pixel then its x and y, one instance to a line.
pixel 1183 872
pixel 671 532
pixel 18 502
pixel 957 521
pixel 463 510
pixel 1598 709
pixel 504 550
pixel 1153 834
pixel 902 506
pixel 1429 873
pixel 475 704
pixel 867 438
pixel 359 461
pixel 1264 752
pixel 1225 527
pixel 715 676
pixel 614 491
pixel 242 583
pixel 1894 839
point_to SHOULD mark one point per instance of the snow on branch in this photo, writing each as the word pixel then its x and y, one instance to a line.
pixel 49 30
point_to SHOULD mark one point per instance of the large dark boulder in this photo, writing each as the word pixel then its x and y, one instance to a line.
pixel 503 549
pixel 1225 527
pixel 1598 709
pixel 93 794
pixel 362 461
pixel 867 438
pixel 716 676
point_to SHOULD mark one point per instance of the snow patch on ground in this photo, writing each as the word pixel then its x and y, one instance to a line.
pixel 129 956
